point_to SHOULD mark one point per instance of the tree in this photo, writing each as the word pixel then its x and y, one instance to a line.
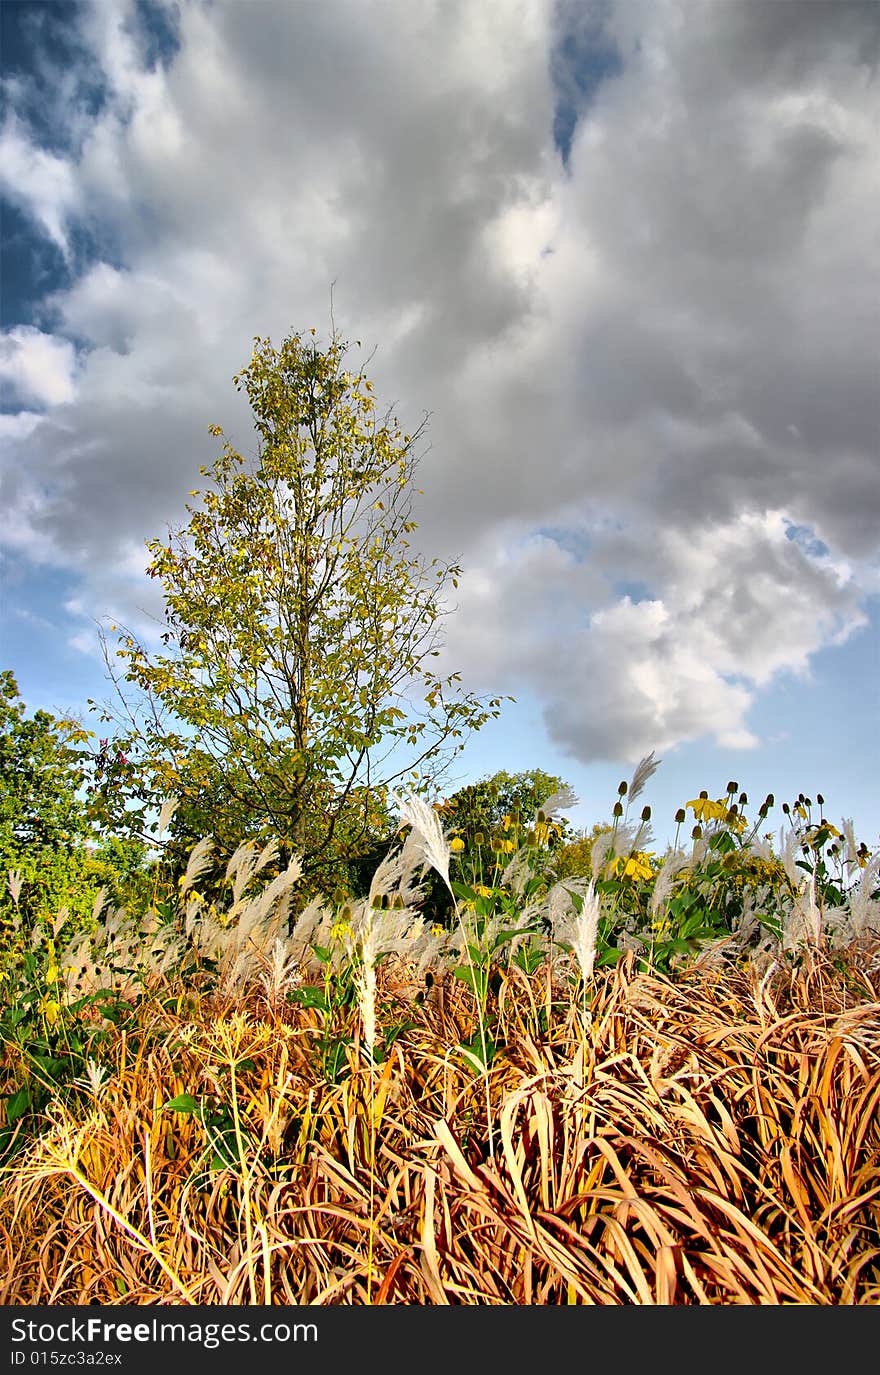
pixel 505 800
pixel 496 816
pixel 48 842
pixel 41 775
pixel 295 687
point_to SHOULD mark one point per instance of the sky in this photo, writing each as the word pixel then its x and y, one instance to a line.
pixel 623 255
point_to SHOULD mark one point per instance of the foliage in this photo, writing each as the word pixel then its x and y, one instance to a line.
pixel 48 1035
pixel 52 860
pixel 727 900
pixel 296 686
pixel 707 1140
pixel 491 821
pixel 41 777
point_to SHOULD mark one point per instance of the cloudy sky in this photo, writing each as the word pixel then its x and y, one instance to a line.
pixel 625 255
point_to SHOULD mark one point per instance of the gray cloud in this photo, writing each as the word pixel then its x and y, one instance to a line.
pixel 661 352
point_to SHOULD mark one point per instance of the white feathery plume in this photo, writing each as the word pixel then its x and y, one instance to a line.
pixel 64 912
pixel 579 930
pixel 601 850
pixel 280 974
pixel 863 917
pixel 803 923
pixel 560 801
pixel 675 860
pixel 415 812
pixel 365 982
pixel 311 927
pixel 95 1079
pixel 199 861
pixel 644 769
pixel 760 848
pixel 247 862
pixel 517 872
pixel 387 875
pixel 166 812
pixel 788 844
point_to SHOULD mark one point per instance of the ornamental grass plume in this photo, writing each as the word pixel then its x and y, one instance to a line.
pixel 280 974
pixel 802 924
pixel 199 861
pixel 246 862
pixel 430 840
pixel 242 943
pixel 644 769
pixel 674 862
pixel 434 848
pixel 579 931
pixel 365 982
pixel 560 801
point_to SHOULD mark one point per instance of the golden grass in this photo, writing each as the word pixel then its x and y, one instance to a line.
pixel 707 1139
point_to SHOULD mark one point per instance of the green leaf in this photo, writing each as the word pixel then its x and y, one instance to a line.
pixel 17 1105
pixel 476 978
pixel 472 1053
pixel 184 1102
pixel 310 996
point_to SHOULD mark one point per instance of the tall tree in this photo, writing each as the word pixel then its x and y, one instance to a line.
pixel 296 684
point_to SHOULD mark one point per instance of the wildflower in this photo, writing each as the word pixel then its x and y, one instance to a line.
pixel 636 866
pixel 50 1008
pixel 456 845
pixel 340 928
pixel 813 834
pixel 706 810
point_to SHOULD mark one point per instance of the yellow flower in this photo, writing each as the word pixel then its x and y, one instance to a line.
pixel 456 844
pixel 437 929
pixel 637 866
pixel 50 1007
pixel 52 974
pixel 813 835
pixel 705 809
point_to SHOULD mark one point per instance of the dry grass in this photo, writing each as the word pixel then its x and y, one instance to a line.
pixel 712 1139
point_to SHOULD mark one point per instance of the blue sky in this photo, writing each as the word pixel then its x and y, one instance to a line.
pixel 624 254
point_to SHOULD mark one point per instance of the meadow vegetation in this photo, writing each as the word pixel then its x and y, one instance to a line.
pixel 654 1080
pixel 283 1022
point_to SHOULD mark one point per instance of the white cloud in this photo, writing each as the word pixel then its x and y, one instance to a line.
pixel 39 367
pixel 638 368
pixel 731 606
pixel 38 181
